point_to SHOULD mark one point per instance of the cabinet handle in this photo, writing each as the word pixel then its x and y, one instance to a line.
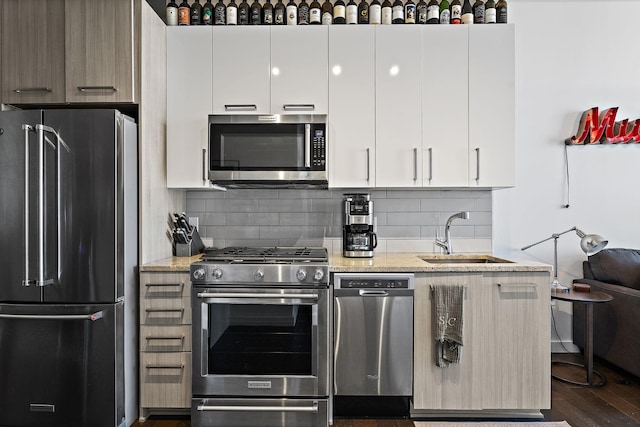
pixel 204 165
pixel 97 88
pixel 164 284
pixel 415 164
pixel 517 285
pixel 165 367
pixel 162 310
pixel 33 89
pixel 305 107
pixel 165 338
pixel 430 164
pixel 368 165
pixel 477 165
pixel 240 107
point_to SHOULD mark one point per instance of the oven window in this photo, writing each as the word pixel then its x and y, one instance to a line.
pixel 255 339
pixel 257 147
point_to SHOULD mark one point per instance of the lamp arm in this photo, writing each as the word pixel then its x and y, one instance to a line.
pixel 553 236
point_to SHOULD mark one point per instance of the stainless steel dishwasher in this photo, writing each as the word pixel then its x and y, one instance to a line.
pixel 373 338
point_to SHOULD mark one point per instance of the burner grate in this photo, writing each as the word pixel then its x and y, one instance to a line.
pixel 266 254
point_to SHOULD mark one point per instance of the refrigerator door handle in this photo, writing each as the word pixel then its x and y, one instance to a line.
pixel 27 129
pixel 92 317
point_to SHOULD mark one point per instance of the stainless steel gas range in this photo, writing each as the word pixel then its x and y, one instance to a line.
pixel 261 337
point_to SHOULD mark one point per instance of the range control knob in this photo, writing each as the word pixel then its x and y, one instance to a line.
pixel 301 275
pixel 199 274
pixel 217 273
pixel 318 275
pixel 258 275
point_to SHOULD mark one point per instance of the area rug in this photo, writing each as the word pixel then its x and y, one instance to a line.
pixel 490 424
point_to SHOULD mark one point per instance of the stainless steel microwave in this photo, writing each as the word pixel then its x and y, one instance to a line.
pixel 268 150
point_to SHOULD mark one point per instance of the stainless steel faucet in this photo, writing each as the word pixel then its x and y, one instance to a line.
pixel 446 243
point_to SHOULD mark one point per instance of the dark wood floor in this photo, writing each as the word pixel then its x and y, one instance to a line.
pixel 617 404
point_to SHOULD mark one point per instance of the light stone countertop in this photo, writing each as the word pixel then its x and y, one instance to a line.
pixel 381 262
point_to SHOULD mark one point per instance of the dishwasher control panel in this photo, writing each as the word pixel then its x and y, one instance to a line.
pixel 373 281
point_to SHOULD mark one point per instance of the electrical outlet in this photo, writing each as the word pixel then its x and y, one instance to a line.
pixel 193 221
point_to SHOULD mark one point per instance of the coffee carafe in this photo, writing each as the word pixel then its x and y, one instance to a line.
pixel 358 236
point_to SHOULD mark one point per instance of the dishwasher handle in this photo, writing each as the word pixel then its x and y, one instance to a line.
pixel 373 293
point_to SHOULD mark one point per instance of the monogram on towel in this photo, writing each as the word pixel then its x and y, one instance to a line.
pixel 447 322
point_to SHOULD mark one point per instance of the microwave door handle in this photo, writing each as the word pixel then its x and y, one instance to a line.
pixel 307 144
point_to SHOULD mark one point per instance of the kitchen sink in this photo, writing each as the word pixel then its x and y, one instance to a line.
pixel 464 259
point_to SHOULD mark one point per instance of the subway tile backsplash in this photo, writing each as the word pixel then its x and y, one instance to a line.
pixel 405 218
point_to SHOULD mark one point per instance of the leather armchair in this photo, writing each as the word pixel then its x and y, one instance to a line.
pixel 616 324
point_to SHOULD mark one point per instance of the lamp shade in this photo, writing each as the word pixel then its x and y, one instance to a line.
pixel 591 243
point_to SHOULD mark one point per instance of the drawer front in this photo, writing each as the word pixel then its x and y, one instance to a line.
pixel 168 338
pixel 164 285
pixel 165 311
pixel 165 380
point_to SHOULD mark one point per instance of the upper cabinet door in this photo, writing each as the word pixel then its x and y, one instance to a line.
pixel 299 77
pixel 241 70
pixel 398 106
pixel 492 105
pixel 445 105
pixel 33 51
pixel 99 50
pixel 352 106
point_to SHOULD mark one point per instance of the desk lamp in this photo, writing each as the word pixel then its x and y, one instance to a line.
pixel 589 243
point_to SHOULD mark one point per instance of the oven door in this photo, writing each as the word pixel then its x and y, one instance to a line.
pixel 261 342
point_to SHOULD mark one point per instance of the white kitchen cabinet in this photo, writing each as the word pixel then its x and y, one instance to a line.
pixel 241 70
pixel 189 90
pixel 492 105
pixel 299 76
pixel 506 356
pixel 398 106
pixel 352 107
pixel 445 105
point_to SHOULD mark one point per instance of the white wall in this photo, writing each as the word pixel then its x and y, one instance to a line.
pixel 571 56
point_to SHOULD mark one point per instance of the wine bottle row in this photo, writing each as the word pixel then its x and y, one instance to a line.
pixel 339 12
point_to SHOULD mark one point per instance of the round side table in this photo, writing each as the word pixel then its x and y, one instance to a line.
pixel 588 299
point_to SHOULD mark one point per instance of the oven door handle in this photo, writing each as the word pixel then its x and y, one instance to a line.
pixel 257 298
pixel 313 408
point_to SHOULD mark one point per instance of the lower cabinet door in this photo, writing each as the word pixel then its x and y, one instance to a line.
pixel 259 412
pixel 165 380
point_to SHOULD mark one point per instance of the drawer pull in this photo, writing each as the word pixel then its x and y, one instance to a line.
pixel 33 89
pixel 517 285
pixel 163 285
pixel 165 338
pixel 181 367
pixel 167 310
pixel 97 88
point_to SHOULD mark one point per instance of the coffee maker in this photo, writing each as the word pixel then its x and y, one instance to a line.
pixel 358 236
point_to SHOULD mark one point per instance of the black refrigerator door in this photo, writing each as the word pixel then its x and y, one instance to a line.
pixel 19 177
pixel 90 201
pixel 59 365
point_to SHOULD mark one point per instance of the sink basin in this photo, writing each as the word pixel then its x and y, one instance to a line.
pixel 464 259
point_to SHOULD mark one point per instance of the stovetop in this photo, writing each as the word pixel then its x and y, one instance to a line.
pixel 266 254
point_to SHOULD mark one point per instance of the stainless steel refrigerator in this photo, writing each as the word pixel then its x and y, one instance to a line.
pixel 68 256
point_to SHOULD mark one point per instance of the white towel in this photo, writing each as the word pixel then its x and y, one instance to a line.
pixel 447 322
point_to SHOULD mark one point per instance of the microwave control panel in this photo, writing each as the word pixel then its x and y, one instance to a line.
pixel 319 151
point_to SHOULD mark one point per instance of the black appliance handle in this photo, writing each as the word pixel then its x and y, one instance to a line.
pixel 374 237
pixel 93 317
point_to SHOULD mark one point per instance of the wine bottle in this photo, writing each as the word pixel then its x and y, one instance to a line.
pixel 352 12
pixel 292 13
pixel 339 12
pixel 421 12
pixel 220 14
pixel 267 13
pixel 445 13
pixel 410 12
pixel 363 12
pixel 501 12
pixel 315 13
pixel 478 12
pixel 280 13
pixel 255 17
pixel 327 13
pixel 397 12
pixel 433 12
pixel 490 12
pixel 374 12
pixel 456 12
pixel 172 13
pixel 386 13
pixel 207 13
pixel 243 13
pixel 183 13
pixel 232 13
pixel 303 13
pixel 195 17
pixel 467 13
